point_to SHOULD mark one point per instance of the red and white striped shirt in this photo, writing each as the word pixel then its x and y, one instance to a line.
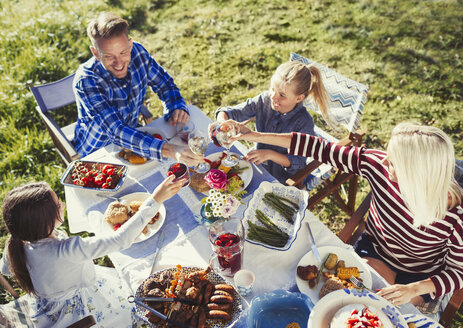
pixel 436 248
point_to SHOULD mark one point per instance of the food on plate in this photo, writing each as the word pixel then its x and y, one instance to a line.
pixel 340 264
pixel 134 158
pixel 197 182
pixel 118 213
pixel 96 175
pixel 195 286
pixel 307 272
pixel 347 272
pixel 331 261
pixel 286 207
pixel 356 315
pixel 268 233
pixel 293 325
pixel 330 285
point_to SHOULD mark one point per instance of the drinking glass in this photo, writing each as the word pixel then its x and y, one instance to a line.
pixel 220 136
pixel 227 241
pixel 184 129
pixel 198 141
pixel 180 171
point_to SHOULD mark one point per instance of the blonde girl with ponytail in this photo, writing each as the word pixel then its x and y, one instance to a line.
pixel 280 110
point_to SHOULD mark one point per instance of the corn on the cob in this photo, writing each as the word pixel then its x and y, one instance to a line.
pixel 224 169
pixel 347 272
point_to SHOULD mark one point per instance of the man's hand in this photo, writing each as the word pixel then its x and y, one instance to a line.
pixel 179 116
pixel 181 154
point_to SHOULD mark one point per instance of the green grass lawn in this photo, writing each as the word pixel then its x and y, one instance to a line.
pixel 222 52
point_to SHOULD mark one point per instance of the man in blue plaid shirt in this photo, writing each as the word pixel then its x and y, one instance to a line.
pixel 110 89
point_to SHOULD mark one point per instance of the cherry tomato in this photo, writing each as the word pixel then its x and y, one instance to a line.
pixel 117 226
pixel 105 186
pixel 109 179
pixel 100 179
pixel 106 168
pixel 110 171
pixel 157 136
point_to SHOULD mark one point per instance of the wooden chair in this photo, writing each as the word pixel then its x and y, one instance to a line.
pixel 346 99
pixel 55 95
pixel 354 228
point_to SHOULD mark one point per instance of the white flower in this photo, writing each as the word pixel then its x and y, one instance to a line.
pixel 233 202
pixel 228 211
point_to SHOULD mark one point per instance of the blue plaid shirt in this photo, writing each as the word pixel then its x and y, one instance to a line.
pixel 108 108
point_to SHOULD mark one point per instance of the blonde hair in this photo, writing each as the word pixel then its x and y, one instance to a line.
pixel 305 80
pixel 424 161
pixel 106 26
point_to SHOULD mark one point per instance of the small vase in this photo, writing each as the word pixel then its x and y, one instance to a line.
pixel 208 219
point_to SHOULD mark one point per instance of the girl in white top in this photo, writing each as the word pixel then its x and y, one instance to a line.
pixel 58 270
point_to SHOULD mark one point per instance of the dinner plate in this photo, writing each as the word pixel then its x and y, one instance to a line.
pixel 245 175
pixel 326 308
pixel 152 228
pixel 147 129
pixel 213 278
pixel 298 196
pixel 279 308
pixel 347 255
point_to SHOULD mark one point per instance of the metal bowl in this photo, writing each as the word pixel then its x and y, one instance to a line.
pixel 66 178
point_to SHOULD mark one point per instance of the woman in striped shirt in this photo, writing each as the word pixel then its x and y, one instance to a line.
pixel 415 226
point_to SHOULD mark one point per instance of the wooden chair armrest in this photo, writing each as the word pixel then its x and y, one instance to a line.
pixel 62 142
pixel 452 307
pixel 297 179
pixel 349 232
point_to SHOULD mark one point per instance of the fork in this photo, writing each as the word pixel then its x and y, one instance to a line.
pixel 360 284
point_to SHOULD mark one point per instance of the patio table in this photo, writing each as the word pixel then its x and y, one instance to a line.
pixel 185 239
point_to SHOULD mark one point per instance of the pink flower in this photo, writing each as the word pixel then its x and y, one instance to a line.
pixel 216 179
pixel 232 201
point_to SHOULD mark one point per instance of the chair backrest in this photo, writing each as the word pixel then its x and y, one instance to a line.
pixel 346 96
pixel 55 94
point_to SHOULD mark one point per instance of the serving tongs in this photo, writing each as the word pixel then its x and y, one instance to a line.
pixel 140 300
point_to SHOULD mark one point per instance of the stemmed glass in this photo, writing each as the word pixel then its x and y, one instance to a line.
pixel 184 129
pixel 221 132
pixel 198 141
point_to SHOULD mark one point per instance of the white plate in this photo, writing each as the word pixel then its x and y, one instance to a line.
pixel 347 310
pixel 326 308
pixel 347 255
pixel 298 196
pixel 149 130
pixel 152 228
pixel 245 175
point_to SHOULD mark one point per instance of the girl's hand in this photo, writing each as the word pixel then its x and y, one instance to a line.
pixel 399 294
pixel 242 131
pixel 259 156
pixel 167 189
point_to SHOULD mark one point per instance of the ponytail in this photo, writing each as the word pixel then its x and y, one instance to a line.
pixel 17 258
pixel 318 92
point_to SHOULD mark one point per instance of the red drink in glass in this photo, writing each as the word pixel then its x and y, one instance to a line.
pixel 180 171
pixel 229 252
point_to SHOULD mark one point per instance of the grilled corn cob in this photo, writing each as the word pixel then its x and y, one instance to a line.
pixel 347 272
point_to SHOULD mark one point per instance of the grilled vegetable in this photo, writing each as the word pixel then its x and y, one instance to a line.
pixel 347 272
pixel 331 261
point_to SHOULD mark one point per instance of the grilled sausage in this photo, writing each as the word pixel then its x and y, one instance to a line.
pixel 222 307
pixel 217 314
pixel 221 299
pixel 220 292
pixel 227 288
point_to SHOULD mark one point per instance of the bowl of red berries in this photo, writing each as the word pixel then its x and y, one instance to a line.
pixel 180 171
pixel 94 175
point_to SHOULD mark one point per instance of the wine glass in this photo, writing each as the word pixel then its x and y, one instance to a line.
pixel 220 135
pixel 198 141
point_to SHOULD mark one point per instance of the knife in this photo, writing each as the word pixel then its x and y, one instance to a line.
pixel 314 246
pixel 159 245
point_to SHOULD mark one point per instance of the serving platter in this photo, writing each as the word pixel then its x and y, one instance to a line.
pixel 115 150
pixel 152 228
pixel 213 278
pixel 324 310
pixel 347 255
pixel 298 196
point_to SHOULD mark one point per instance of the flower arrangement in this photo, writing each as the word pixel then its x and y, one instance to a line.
pixel 224 196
